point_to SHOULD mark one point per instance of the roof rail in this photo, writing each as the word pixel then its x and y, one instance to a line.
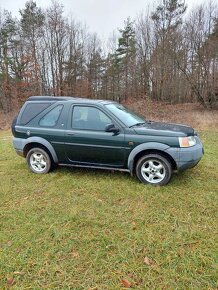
pixel 50 98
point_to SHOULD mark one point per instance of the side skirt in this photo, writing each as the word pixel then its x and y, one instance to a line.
pixel 95 167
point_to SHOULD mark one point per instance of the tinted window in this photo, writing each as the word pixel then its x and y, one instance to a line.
pixel 51 118
pixel 89 118
pixel 31 111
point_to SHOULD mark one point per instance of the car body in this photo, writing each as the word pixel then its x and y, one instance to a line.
pixel 103 134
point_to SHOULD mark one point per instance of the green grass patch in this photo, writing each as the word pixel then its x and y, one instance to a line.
pixel 91 229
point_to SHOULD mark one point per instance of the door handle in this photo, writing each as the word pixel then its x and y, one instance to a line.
pixel 70 133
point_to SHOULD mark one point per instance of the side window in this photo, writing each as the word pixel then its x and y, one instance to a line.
pixel 89 118
pixel 51 118
pixel 31 111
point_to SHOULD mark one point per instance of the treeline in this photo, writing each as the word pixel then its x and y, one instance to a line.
pixel 166 54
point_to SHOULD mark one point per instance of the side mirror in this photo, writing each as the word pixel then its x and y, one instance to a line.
pixel 111 128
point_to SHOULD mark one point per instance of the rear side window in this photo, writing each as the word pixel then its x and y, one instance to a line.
pixel 31 111
pixel 51 118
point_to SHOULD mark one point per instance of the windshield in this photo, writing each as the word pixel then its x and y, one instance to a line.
pixel 125 115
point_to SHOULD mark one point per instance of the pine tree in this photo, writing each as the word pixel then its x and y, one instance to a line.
pixel 7 37
pixel 125 59
pixel 32 20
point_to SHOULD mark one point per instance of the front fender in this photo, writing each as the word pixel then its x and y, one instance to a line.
pixel 20 144
pixel 142 147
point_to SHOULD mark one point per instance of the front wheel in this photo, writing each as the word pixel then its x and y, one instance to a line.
pixel 38 161
pixel 154 169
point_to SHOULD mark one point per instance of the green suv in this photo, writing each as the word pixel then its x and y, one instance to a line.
pixel 78 132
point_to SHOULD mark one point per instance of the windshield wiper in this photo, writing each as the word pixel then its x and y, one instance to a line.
pixel 137 124
pixel 141 123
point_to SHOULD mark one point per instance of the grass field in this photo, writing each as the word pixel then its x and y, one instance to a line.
pixel 85 229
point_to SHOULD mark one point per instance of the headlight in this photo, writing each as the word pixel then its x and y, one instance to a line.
pixel 187 141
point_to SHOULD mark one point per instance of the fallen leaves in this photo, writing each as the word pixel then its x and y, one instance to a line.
pixel 10 282
pixel 9 243
pixel 148 261
pixel 126 283
pixel 134 226
pixel 74 254
pixel 19 273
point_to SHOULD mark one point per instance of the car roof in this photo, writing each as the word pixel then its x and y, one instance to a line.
pixel 71 99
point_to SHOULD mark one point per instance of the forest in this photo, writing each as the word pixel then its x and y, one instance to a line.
pixel 166 54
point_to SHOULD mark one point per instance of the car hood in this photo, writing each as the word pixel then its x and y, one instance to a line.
pixel 167 129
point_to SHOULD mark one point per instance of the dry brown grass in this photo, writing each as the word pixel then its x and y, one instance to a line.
pixel 6 119
pixel 192 114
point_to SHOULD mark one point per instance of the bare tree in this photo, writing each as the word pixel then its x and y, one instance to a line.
pixel 165 55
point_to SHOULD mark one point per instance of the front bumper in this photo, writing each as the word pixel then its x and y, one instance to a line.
pixel 187 157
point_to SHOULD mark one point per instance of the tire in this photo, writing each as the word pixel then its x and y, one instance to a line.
pixel 154 169
pixel 39 161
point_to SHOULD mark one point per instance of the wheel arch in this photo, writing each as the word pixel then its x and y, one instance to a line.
pixel 40 143
pixel 145 149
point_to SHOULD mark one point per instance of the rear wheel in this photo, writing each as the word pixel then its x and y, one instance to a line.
pixel 154 169
pixel 39 161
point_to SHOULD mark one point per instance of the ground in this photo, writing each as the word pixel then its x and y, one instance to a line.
pixel 92 229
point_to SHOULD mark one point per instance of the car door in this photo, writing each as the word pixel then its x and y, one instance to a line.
pixel 87 142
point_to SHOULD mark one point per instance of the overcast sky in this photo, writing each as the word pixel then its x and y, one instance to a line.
pixel 101 16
